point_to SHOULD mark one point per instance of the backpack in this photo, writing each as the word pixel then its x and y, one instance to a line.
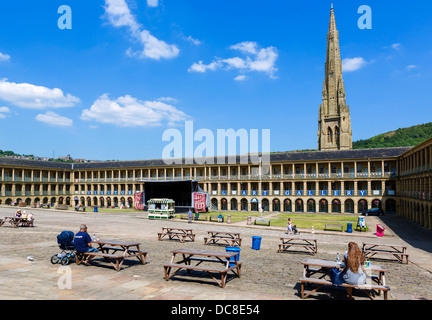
pixel 336 276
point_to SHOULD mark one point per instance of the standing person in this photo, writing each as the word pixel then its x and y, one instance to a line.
pixel 190 216
pixel 290 227
pixel 353 272
pixel 82 242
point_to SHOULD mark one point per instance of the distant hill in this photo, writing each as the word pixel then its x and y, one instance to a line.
pixel 402 137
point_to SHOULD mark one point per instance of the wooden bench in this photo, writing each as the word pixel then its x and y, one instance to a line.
pixel 62 207
pixel 398 251
pixel 220 258
pixel 333 226
pixel 2 221
pixel 308 243
pixel 215 218
pixel 119 259
pixel 176 233
pixel 262 222
pixel 322 282
pixel 230 238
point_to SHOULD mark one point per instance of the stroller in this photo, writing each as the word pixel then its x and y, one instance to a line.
pixel 65 241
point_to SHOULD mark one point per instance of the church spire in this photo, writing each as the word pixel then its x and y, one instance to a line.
pixel 334 124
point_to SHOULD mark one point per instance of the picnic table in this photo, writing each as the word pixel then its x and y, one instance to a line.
pixel 323 267
pixel 399 251
pixel 230 238
pixel 310 244
pixel 16 222
pixel 107 249
pixel 178 233
pixel 228 260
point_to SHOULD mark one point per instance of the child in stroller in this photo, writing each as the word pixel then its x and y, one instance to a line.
pixel 65 241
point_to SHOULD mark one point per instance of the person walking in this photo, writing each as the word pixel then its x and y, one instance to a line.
pixel 190 216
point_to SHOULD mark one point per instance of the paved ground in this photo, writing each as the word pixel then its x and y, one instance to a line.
pixel 266 274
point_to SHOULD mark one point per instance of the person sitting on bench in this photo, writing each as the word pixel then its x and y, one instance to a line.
pixel 82 242
pixel 354 262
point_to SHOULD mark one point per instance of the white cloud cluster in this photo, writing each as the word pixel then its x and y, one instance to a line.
pixel 128 111
pixel 257 59
pixel 353 64
pixel 119 15
pixel 26 95
pixel 4 57
pixel 54 119
pixel 152 3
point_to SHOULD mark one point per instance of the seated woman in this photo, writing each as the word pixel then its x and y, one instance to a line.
pixel 353 272
pixel 18 214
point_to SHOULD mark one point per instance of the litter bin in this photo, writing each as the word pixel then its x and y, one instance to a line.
pixel 349 228
pixel 233 249
pixel 380 230
pixel 256 242
pixel 95 209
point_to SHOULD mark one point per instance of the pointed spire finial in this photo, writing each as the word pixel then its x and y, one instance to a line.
pixel 332 5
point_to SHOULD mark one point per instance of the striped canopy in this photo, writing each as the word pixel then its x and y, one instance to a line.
pixel 163 200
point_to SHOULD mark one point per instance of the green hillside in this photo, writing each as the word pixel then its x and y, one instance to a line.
pixel 402 137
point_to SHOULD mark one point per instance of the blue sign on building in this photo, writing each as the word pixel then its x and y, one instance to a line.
pixel 299 192
pixel 244 192
pixel 310 192
pixel 323 192
pixel 287 192
pixel 336 192
pixel 265 193
pixel 254 192
pixel 362 192
pixel 223 192
pixel 349 193
pixel 108 192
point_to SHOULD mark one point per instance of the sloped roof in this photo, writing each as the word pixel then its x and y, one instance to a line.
pixel 274 157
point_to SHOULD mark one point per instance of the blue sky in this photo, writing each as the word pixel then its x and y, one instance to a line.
pixel 130 69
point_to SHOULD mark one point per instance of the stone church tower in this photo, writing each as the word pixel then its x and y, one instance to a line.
pixel 334 122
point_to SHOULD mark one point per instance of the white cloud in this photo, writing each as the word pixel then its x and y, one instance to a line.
pixel 200 67
pixel 260 60
pixel 54 119
pixel 119 15
pixel 396 46
pixel 26 95
pixel 168 99
pixel 411 67
pixel 353 64
pixel 194 41
pixel 128 111
pixel 4 57
pixel 246 47
pixel 241 77
pixel 152 3
pixel 3 110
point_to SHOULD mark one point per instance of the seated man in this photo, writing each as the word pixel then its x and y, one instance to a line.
pixel 30 219
pixel 82 242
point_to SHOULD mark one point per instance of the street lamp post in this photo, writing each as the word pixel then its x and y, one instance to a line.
pixel 260 189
